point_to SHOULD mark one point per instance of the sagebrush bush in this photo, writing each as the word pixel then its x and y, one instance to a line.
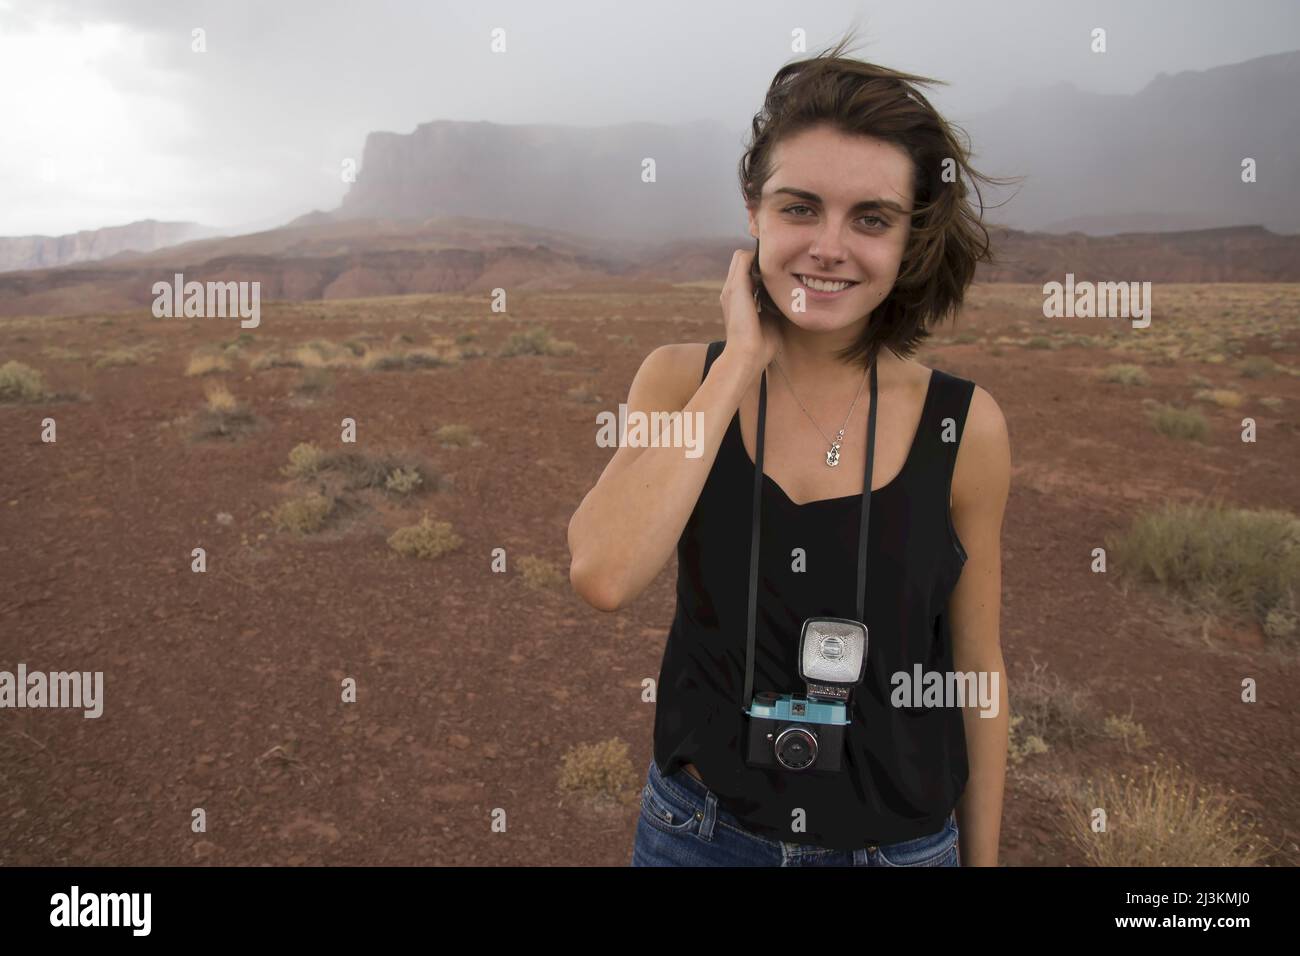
pixel 428 539
pixel 303 515
pixel 602 770
pixel 20 383
pixel 305 460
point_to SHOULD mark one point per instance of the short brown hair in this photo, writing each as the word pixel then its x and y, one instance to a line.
pixel 947 238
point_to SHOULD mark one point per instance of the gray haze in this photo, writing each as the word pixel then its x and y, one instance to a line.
pixel 110 117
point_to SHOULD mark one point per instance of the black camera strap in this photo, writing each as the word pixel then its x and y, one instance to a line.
pixel 758 501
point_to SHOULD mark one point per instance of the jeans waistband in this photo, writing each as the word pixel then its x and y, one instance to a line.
pixel 681 779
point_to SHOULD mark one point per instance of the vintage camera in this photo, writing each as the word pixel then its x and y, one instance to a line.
pixel 807 731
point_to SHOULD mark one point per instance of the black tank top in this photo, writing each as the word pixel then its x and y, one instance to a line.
pixel 904 767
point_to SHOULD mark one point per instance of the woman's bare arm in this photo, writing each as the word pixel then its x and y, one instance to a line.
pixel 628 525
pixel 980 486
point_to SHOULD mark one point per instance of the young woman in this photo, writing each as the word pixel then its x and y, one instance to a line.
pixel 853 185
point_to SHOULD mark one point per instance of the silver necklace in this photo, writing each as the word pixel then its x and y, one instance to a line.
pixel 832 456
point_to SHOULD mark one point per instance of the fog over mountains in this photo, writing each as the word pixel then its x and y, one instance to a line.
pixel 457 205
pixel 1166 158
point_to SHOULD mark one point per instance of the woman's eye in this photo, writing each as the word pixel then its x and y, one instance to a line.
pixel 877 222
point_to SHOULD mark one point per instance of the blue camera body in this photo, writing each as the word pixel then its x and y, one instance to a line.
pixel 807 732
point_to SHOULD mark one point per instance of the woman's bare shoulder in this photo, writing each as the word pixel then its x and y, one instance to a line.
pixel 676 370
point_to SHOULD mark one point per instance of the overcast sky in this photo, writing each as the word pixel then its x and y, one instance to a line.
pixel 109 116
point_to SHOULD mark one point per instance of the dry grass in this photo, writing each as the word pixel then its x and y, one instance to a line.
pixel 458 436
pixel 428 539
pixel 206 363
pixel 1126 729
pixel 20 383
pixel 1223 397
pixel 305 460
pixel 1219 560
pixel 351 470
pixel 536 341
pixel 1047 713
pixel 272 359
pixel 1159 817
pixel 305 515
pixel 403 481
pixel 323 354
pixel 61 354
pixel 600 771
pixel 1125 375
pixel 541 574
pixel 220 398
pixel 357 470
pixel 583 394
pixel 394 360
pixel 314 381
pixel 1257 366
pixel 120 358
pixel 1180 423
pixel 222 417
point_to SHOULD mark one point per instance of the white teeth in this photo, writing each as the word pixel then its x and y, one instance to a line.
pixel 821 286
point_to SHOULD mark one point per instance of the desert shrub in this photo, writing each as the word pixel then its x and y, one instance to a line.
pixel 314 381
pixel 1217 558
pixel 1178 422
pixel 305 460
pixel 1159 816
pixel 1125 375
pixel 20 383
pixel 117 358
pixel 428 539
pixel 458 435
pixel 305 515
pixel 536 341
pixel 403 481
pixel 540 574
pixel 1054 711
pixel 1257 366
pixel 601 770
pixel 220 398
pixel 206 363
pixel 273 359
pixel 223 416
pixel 1223 397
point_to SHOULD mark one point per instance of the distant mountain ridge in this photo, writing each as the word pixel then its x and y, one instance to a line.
pixel 45 252
pixel 1165 158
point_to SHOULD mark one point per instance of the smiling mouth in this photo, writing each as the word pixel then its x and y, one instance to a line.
pixel 824 288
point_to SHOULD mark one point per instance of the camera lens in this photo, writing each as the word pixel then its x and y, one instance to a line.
pixel 796 748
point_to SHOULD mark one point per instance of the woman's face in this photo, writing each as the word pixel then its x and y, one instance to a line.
pixel 828 209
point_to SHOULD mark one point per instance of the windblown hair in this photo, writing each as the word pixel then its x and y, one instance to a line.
pixel 947 237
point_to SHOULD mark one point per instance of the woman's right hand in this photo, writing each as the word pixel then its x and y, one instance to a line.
pixel 753 336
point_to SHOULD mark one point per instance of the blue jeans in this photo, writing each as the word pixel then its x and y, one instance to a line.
pixel 682 824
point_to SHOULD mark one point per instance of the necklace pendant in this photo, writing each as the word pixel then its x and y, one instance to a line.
pixel 833 456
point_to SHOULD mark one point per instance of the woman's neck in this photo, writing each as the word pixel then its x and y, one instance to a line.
pixel 811 362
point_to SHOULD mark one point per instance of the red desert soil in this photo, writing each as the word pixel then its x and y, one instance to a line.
pixel 222 690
